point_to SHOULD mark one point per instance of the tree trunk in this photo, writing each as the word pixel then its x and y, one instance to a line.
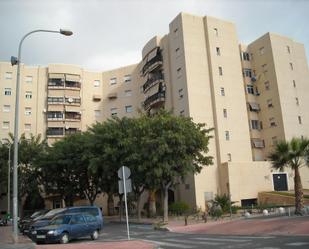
pixel 299 205
pixel 152 203
pixel 165 205
pixel 139 208
pixel 120 206
pixel 110 204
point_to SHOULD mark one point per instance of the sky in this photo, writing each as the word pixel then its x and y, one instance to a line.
pixel 111 33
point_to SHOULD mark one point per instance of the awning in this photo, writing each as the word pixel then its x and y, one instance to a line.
pixel 254 106
pixel 72 108
pixel 72 124
pixel 112 95
pixel 72 77
pixel 96 97
pixel 258 143
pixel 152 54
pixel 56 76
pixel 55 107
pixel 55 124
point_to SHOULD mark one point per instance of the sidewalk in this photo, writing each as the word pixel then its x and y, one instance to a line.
pixel 262 226
pixel 6 236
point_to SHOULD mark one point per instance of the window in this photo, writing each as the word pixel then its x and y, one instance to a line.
pixel 97 113
pixel 128 93
pixel 222 92
pixel 28 95
pixel 272 122
pixel 129 108
pixel 250 89
pixel 56 100
pixel 113 112
pixel 27 127
pixel 7 91
pixel 8 75
pixel 127 78
pixel 218 51
pixel 288 49
pixel 28 111
pixel 179 72
pixel 262 50
pixel 96 83
pixel 216 31
pixel 291 66
pixel 180 93
pixel 255 125
pixel 28 79
pixel 227 135
pixel 220 71
pixel 229 157
pixel 294 83
pixel 270 103
pixel 225 113
pixel 113 81
pixel 297 101
pixel 267 85
pixel 5 124
pixel 299 119
pixel 182 113
pixel 177 50
pixel 247 72
pixel 254 107
pixel 6 108
pixel 176 32
pixel 246 56
pixel 274 140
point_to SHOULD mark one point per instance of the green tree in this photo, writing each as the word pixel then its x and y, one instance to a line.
pixel 292 154
pixel 175 147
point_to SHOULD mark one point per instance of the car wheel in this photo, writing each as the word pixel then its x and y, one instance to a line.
pixel 95 235
pixel 64 239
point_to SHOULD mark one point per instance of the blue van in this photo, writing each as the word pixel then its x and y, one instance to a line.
pixel 45 219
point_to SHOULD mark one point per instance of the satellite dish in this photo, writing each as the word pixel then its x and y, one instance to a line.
pixel 70 100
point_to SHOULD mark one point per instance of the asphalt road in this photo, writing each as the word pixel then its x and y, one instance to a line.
pixel 166 240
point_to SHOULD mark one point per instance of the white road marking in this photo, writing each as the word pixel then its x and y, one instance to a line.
pixel 168 244
pixel 195 242
pixel 297 244
pixel 223 239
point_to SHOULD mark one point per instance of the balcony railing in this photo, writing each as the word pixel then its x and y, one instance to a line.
pixel 71 131
pixel 55 132
pixel 153 63
pixel 72 116
pixel 55 83
pixel 154 99
pixel 72 84
pixel 153 80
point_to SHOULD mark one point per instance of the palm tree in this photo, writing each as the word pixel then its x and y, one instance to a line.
pixel 293 154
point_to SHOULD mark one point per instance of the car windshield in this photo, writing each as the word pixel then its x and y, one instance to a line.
pixel 62 219
pixel 53 212
pixel 37 213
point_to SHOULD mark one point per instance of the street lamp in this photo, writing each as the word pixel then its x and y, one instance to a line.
pixel 16 61
pixel 9 177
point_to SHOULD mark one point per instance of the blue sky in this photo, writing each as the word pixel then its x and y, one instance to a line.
pixel 112 33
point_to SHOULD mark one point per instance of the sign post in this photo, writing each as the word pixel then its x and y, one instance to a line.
pixel 125 187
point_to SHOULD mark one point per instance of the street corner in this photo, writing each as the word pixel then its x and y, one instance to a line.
pixel 133 244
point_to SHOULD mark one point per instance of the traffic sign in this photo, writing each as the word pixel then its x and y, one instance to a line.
pixel 127 172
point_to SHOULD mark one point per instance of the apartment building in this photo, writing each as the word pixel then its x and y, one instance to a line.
pixel 253 95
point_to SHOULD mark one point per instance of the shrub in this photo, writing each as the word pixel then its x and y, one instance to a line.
pixel 179 208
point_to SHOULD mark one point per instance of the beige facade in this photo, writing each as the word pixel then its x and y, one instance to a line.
pixel 252 95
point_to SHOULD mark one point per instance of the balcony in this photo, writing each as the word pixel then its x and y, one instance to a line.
pixel 54 116
pixel 72 116
pixel 154 62
pixel 74 85
pixel 154 100
pixel 55 84
pixel 152 81
pixel 72 101
pixel 55 132
pixel 71 131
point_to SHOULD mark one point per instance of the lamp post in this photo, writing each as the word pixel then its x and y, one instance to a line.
pixel 9 181
pixel 16 61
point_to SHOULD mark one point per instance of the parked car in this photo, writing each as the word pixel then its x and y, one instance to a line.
pixel 65 227
pixel 46 219
pixel 24 224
